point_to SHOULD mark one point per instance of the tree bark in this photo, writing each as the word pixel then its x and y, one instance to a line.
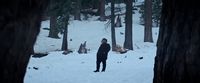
pixel 65 42
pixel 113 25
pixel 118 22
pixel 128 44
pixel 102 10
pixel 148 21
pixel 53 32
pixel 65 35
pixel 19 26
pixel 77 15
pixel 178 46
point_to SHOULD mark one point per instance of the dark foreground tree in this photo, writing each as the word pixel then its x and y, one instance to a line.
pixel 128 43
pixel 148 21
pixel 178 47
pixel 19 26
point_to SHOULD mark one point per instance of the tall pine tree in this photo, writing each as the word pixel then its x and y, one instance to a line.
pixel 53 9
pixel 113 38
pixel 156 12
pixel 61 9
pixel 148 21
pixel 102 10
pixel 128 43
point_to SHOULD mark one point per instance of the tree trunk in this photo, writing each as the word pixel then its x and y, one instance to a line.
pixel 148 21
pixel 65 37
pixel 77 15
pixel 178 47
pixel 157 23
pixel 118 22
pixel 113 25
pixel 128 44
pixel 102 10
pixel 19 27
pixel 53 32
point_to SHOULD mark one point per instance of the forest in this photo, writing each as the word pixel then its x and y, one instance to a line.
pixel 60 41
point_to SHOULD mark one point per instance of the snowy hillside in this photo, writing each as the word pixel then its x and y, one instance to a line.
pixel 78 68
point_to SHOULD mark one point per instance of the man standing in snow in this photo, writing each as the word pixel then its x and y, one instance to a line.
pixel 102 55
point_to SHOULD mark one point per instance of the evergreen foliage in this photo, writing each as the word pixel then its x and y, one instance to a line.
pixel 61 9
pixel 156 12
pixel 87 4
pixel 141 11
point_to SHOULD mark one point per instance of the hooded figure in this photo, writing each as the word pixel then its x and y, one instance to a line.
pixel 102 55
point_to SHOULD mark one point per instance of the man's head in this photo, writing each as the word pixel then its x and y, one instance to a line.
pixel 104 40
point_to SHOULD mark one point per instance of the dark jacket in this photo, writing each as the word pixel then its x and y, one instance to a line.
pixel 103 51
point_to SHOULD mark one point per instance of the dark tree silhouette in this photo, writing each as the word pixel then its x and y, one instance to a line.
pixel 113 38
pixel 51 11
pixel 77 14
pixel 178 47
pixel 128 43
pixel 19 26
pixel 65 34
pixel 102 10
pixel 53 32
pixel 148 21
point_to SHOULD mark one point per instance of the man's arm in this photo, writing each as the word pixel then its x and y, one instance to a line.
pixel 108 48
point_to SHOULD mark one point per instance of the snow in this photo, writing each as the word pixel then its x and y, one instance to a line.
pixel 75 68
pixel 78 68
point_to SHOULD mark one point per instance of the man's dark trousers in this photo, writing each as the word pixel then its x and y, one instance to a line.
pixel 98 64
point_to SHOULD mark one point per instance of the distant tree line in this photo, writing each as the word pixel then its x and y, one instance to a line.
pixel 60 11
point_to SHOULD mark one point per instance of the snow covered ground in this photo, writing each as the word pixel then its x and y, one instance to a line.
pixel 78 68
